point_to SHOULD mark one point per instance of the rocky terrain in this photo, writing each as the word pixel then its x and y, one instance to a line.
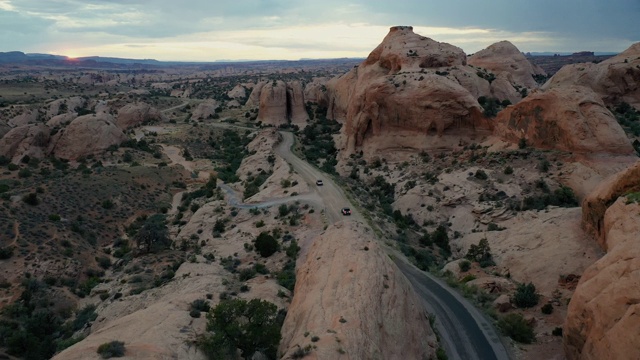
pixel 170 191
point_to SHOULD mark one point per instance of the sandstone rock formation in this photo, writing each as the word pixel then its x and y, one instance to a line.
pixel 615 79
pixel 316 91
pixel 132 115
pixel 382 320
pixel 62 106
pixel 569 118
pixel 296 111
pixel 205 110
pixel 27 117
pixel 603 318
pixel 86 135
pixel 254 97
pixel 596 204
pixel 62 119
pixel 509 66
pixel 395 98
pixel 238 92
pixel 31 140
pixel 273 103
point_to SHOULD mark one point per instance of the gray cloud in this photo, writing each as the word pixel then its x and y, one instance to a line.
pixel 576 24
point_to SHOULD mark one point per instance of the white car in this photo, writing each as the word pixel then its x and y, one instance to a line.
pixel 319 182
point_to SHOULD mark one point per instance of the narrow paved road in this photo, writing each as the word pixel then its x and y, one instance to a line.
pixel 465 333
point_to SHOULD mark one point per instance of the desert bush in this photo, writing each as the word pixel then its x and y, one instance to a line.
pixel 525 296
pixel 547 308
pixel 237 324
pixel 557 331
pixel 517 328
pixel 481 253
pixel 265 244
pixel 31 199
pixel 464 265
pixel 508 170
pixel 111 349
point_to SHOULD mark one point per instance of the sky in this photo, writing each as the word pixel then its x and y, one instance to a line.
pixel 211 30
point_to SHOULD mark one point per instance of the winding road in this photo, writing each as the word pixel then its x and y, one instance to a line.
pixel 465 333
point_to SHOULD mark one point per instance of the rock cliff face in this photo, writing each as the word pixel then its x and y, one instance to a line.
pixel 382 320
pixel 596 204
pixel 27 117
pixel 254 97
pixel 281 103
pixel 86 135
pixel 132 115
pixel 31 140
pixel 603 318
pixel 403 89
pixel 615 79
pixel 273 103
pixel 569 118
pixel 510 67
pixel 316 91
pixel 296 111
pixel 238 92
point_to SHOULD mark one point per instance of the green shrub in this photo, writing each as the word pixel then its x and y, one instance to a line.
pixel 481 175
pixel 6 253
pixel 237 324
pixel 525 296
pixel 265 244
pixel 465 265
pixel 31 199
pixel 111 349
pixel 508 170
pixel 547 308
pixel 517 328
pixel 481 253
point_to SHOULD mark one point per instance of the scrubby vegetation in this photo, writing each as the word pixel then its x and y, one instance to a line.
pixel 251 326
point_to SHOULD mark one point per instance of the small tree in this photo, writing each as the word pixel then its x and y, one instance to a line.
pixel 237 324
pixel 266 244
pixel 525 296
pixel 481 253
pixel 154 233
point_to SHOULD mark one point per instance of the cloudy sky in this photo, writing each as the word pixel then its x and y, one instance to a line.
pixel 208 30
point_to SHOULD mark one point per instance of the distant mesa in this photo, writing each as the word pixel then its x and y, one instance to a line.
pixel 583 53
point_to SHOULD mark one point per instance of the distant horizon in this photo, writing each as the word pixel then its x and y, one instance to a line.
pixel 533 53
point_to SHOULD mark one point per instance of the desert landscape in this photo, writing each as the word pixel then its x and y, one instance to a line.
pixel 420 203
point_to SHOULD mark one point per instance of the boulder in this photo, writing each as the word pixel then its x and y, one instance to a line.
pixel 86 135
pixel 132 115
pixel 570 118
pixel 352 297
pixel 502 303
pixel 31 140
pixel 205 110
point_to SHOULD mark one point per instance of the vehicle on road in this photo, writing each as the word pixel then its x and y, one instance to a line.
pixel 319 182
pixel 346 211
